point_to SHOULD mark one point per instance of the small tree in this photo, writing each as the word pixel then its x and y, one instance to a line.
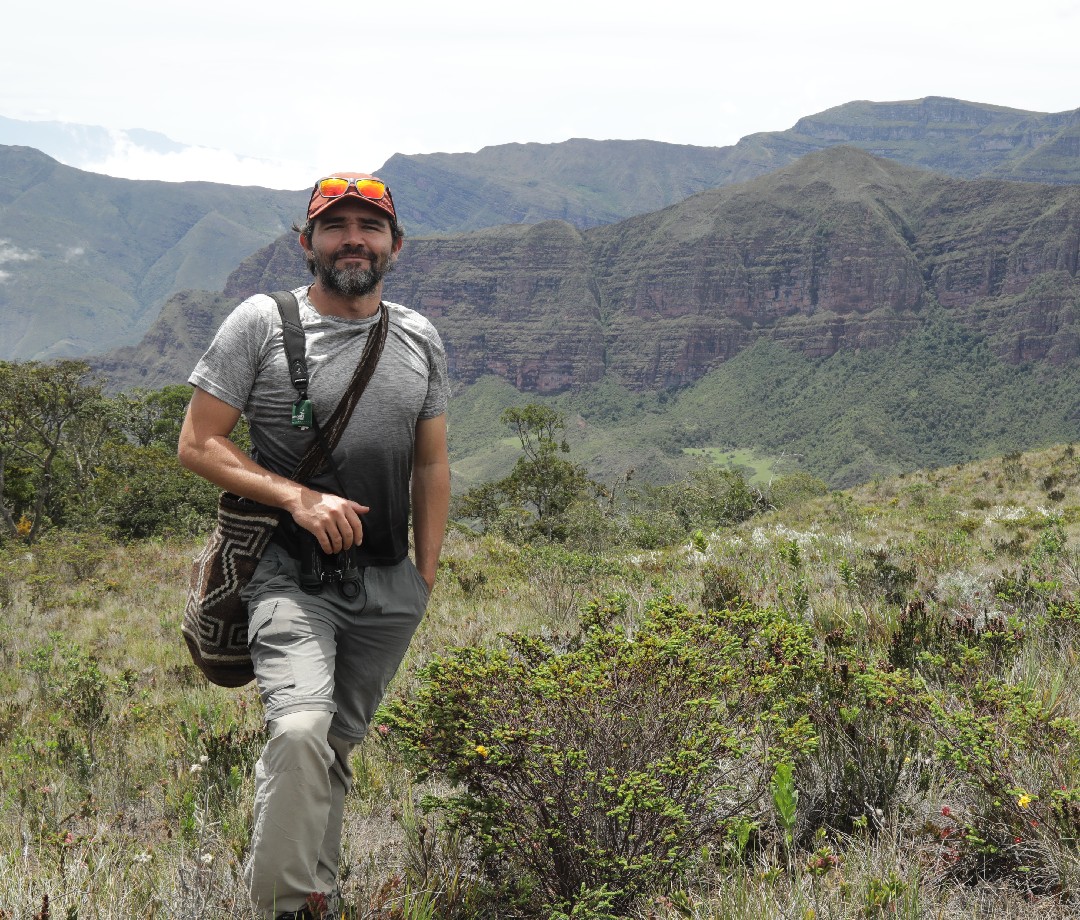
pixel 534 498
pixel 153 417
pixel 54 424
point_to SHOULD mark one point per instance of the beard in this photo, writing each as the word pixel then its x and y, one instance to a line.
pixel 352 281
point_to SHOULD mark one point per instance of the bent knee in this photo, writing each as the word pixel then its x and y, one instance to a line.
pixel 297 740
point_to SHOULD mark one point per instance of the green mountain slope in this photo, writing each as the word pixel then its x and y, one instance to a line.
pixel 86 261
pixel 938 398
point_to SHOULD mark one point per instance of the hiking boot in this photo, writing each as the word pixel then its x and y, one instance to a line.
pixel 318 907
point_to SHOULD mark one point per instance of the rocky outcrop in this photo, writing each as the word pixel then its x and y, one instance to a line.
pixel 839 251
pixel 175 342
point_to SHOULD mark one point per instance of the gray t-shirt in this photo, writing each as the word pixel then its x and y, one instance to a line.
pixel 245 366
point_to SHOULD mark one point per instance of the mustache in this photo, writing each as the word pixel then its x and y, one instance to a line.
pixel 362 251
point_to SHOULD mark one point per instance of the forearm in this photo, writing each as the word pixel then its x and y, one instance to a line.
pixel 220 461
pixel 430 511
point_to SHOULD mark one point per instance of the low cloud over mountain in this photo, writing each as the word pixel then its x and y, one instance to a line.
pixel 140 154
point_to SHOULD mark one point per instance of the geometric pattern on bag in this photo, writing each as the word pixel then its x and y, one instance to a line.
pixel 215 617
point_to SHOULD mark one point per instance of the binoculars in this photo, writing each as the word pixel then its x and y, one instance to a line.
pixel 317 569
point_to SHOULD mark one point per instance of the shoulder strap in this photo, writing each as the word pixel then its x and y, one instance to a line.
pixel 292 329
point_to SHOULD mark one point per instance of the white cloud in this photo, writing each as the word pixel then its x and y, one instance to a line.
pixel 73 252
pixel 197 164
pixel 9 252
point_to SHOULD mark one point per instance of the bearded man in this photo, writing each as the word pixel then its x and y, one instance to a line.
pixel 323 653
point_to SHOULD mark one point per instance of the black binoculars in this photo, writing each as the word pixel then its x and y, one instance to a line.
pixel 317 569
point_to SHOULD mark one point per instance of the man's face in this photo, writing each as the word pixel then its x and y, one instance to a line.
pixel 351 248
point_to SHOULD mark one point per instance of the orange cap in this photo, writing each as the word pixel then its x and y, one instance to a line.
pixel 318 203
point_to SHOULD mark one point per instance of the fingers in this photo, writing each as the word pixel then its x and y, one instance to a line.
pixel 335 522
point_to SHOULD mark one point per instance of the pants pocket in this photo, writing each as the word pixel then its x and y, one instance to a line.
pixel 268 636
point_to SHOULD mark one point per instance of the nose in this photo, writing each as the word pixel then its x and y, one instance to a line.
pixel 353 234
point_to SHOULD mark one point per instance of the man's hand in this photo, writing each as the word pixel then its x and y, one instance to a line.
pixel 334 521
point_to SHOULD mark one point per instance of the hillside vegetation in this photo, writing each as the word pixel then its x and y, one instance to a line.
pixel 845 705
pixel 938 397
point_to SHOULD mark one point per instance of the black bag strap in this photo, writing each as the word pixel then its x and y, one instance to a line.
pixel 292 330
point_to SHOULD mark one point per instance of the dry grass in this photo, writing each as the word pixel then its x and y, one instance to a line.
pixel 126 779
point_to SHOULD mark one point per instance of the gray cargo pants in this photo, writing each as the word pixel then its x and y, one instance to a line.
pixel 322 663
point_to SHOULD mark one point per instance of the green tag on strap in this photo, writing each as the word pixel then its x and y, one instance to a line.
pixel 301 414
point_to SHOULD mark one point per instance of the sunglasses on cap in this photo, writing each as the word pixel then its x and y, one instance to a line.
pixel 335 187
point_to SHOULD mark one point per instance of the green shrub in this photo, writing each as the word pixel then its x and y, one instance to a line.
pixel 595 775
pixel 795 489
pixel 77 692
pixel 865 742
pixel 722 587
pixel 1018 764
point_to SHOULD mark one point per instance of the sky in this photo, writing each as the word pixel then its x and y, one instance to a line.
pixel 278 94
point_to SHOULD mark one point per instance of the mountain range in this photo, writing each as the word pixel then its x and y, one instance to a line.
pixel 654 269
pixel 840 250
pixel 87 261
pixel 587 182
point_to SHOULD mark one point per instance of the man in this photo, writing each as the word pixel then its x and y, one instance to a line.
pixel 323 656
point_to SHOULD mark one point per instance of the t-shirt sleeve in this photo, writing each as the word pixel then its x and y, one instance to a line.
pixel 438 394
pixel 228 368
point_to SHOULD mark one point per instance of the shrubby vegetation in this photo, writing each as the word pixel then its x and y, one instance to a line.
pixel 702 699
pixel 548 498
pixel 938 396
pixel 74 458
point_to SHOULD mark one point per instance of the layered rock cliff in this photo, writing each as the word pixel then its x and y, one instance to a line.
pixel 839 251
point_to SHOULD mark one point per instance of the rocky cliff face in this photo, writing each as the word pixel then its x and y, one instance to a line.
pixel 839 251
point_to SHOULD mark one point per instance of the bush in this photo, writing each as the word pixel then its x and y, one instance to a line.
pixel 788 491
pixel 145 492
pixel 709 498
pixel 596 775
pixel 865 742
pixel 722 587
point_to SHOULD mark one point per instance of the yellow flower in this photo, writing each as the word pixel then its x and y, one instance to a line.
pixel 24 526
pixel 1024 800
pixel 481 750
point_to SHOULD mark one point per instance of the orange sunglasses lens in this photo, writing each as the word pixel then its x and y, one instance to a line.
pixel 333 188
pixel 366 188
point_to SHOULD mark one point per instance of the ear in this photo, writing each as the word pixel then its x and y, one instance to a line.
pixel 396 248
pixel 304 244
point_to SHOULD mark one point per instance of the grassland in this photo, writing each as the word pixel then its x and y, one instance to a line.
pixel 125 779
pixel 756 468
